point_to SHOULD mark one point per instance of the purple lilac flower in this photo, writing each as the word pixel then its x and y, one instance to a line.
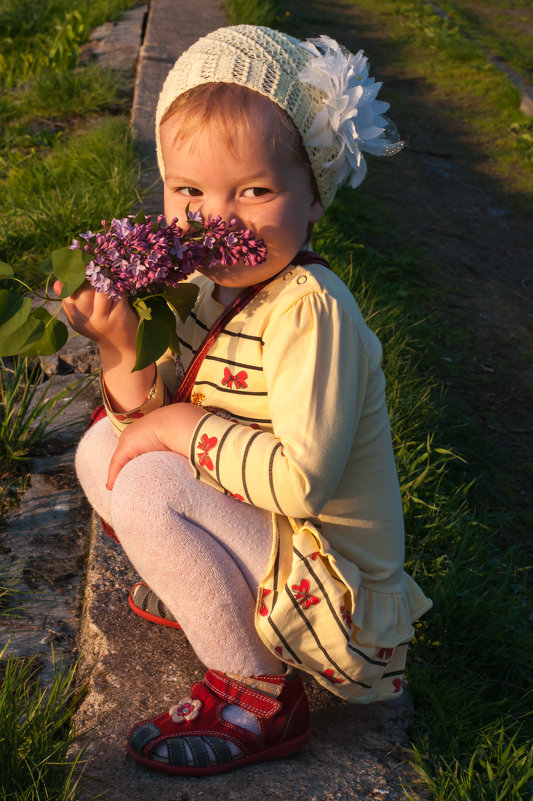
pixel 140 258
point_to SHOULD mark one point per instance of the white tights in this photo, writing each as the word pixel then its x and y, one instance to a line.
pixel 201 552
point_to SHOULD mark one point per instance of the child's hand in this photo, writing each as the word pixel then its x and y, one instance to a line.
pixel 93 314
pixel 169 428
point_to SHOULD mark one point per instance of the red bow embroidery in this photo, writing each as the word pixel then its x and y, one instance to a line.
pixel 303 596
pixel 205 444
pixel 347 617
pixel 264 609
pixel 329 674
pixel 385 653
pixel 239 379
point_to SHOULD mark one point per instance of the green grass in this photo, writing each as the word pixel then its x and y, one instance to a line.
pixel 498 29
pixel 66 156
pixel 67 161
pixel 27 410
pixel 468 670
pixel 252 12
pixel 49 198
pixel 47 35
pixel 70 93
pixel 451 56
pixel 36 734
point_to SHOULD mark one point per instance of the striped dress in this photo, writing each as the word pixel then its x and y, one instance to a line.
pixel 296 423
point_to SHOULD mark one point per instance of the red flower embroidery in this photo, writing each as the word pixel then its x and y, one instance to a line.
pixel 385 653
pixel 315 555
pixel 329 674
pixel 205 444
pixel 346 617
pixel 264 610
pixel 397 684
pixel 197 398
pixel 235 495
pixel 239 379
pixel 131 416
pixel 303 596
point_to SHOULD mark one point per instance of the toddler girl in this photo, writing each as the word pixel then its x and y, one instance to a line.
pixel 261 509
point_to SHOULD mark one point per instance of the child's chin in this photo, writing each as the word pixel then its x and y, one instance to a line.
pixel 233 275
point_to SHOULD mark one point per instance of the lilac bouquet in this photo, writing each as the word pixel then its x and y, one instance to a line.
pixel 147 261
pixel 139 257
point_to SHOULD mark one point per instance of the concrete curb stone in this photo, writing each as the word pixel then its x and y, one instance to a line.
pixel 172 26
pixel 43 543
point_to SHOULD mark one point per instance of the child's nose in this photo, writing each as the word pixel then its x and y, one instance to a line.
pixel 223 207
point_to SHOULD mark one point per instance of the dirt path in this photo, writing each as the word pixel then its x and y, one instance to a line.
pixel 476 241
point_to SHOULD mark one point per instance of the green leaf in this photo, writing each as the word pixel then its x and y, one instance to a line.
pixel 182 299
pixel 54 336
pixel 69 268
pixel 14 311
pixel 154 333
pixel 174 343
pixel 140 217
pixel 46 266
pixel 24 336
pixel 152 341
pixel 5 270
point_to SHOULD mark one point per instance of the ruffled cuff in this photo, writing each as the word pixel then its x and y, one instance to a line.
pixel 386 619
pixel 157 396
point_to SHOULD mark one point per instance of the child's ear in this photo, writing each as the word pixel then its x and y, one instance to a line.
pixel 316 211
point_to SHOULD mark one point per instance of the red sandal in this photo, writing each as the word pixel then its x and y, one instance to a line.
pixel 200 741
pixel 145 603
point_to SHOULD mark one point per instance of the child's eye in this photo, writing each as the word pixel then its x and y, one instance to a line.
pixel 256 191
pixel 189 191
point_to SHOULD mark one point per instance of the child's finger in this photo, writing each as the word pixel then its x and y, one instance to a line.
pixel 117 463
pixel 138 438
pixel 57 287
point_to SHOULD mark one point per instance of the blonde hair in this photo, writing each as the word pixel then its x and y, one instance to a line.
pixel 228 109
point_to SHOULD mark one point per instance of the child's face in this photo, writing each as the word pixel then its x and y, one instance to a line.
pixel 269 192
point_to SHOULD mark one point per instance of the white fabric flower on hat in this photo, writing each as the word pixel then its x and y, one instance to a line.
pixel 351 118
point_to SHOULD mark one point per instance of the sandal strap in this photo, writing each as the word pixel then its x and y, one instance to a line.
pixel 146 600
pixel 246 697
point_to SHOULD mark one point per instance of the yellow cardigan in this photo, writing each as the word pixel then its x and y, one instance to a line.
pixel 296 423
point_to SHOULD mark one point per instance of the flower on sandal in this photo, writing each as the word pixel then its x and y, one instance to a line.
pixel 351 119
pixel 187 709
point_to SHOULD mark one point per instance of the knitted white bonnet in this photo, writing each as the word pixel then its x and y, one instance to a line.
pixel 269 62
